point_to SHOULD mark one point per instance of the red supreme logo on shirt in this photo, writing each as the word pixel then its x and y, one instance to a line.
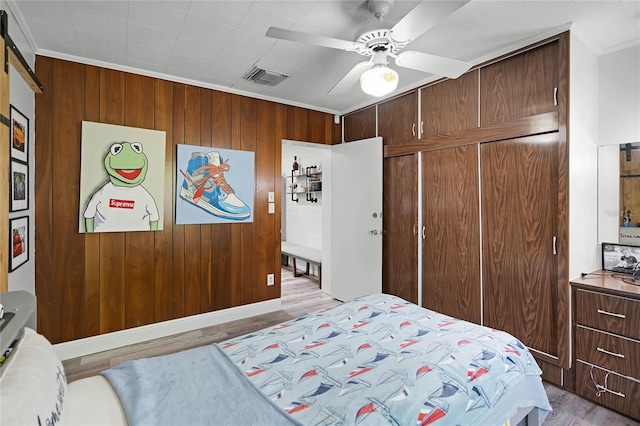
pixel 121 204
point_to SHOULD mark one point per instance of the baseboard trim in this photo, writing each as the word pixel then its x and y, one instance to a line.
pixel 116 339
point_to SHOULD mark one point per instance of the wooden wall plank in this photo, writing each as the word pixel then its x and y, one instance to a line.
pixel 317 127
pixel 265 182
pixel 43 183
pixel 235 247
pixel 139 261
pixel 68 244
pixel 112 248
pixel 163 241
pixel 297 124
pixel 178 230
pixel 92 241
pixel 192 276
pixel 248 142
pixel 205 230
pixel 280 132
pixel 221 277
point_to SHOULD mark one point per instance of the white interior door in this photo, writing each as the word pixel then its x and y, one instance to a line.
pixel 356 219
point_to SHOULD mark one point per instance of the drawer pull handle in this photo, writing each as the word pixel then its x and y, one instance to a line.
pixel 603 389
pixel 609 353
pixel 600 311
pixel 600 388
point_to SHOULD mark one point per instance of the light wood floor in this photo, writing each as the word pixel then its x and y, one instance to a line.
pixel 299 297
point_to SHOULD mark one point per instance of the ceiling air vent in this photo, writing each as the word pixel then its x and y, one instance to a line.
pixel 264 76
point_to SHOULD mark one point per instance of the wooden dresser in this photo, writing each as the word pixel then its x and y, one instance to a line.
pixel 606 341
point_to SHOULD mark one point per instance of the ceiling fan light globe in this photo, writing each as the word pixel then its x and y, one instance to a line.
pixel 379 81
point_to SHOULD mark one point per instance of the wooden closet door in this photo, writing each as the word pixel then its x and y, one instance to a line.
pixel 397 119
pixel 519 181
pixel 360 124
pixel 450 105
pixel 520 86
pixel 451 220
pixel 399 222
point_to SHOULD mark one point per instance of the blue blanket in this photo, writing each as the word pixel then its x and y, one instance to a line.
pixel 372 361
pixel 194 387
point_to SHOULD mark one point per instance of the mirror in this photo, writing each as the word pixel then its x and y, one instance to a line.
pixel 619 194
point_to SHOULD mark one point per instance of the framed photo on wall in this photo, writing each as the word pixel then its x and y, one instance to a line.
pixel 19 182
pixel 18 242
pixel 19 135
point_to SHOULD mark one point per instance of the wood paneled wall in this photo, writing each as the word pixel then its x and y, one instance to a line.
pixel 90 284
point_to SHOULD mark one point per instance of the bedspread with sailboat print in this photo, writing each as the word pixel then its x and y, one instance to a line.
pixel 382 360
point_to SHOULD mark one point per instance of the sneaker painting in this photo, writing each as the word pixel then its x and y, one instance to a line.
pixel 215 185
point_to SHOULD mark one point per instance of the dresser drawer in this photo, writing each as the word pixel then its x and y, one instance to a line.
pixel 608 351
pixel 622 395
pixel 615 314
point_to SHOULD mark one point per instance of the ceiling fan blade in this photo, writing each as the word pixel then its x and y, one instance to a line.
pixel 351 78
pixel 422 17
pixel 318 40
pixel 433 64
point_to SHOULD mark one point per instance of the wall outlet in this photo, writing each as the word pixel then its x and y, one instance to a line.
pixel 271 279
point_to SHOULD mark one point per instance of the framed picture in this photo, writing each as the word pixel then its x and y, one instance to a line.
pixel 18 242
pixel 214 185
pixel 19 182
pixel 620 258
pixel 128 198
pixel 19 135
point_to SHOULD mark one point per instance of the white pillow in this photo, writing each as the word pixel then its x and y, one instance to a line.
pixel 32 383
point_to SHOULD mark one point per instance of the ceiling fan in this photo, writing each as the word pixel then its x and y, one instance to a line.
pixel 381 43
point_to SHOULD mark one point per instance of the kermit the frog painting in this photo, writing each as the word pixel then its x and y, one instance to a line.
pixel 122 203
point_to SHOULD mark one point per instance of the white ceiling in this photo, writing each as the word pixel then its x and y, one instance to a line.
pixel 213 43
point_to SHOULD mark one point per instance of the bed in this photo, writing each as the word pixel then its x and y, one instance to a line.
pixel 372 361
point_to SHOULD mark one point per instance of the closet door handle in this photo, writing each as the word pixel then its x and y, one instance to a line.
pixel 604 351
pixel 555 96
pixel 424 230
pixel 555 239
pixel 413 129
